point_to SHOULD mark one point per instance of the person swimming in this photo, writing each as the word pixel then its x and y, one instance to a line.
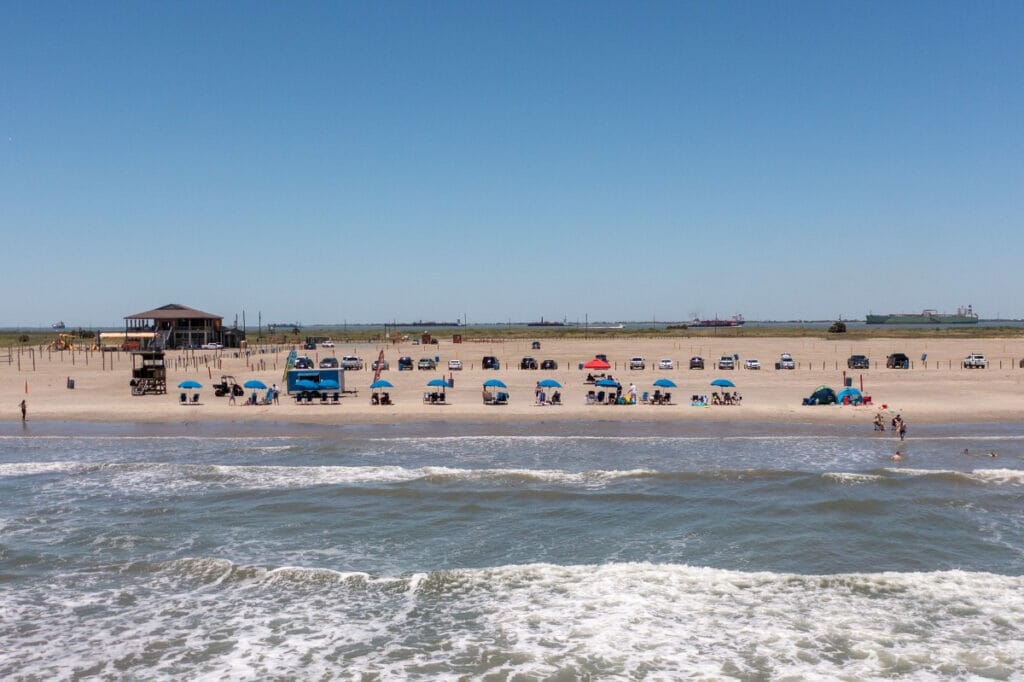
pixel 897 457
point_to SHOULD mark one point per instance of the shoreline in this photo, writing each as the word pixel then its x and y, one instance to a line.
pixel 212 429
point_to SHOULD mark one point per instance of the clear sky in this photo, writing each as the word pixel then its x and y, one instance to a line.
pixel 377 161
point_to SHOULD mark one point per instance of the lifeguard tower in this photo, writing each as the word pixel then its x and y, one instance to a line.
pixel 149 374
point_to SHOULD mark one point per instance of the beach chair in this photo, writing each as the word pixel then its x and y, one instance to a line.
pixel 195 398
pixel 502 399
pixel 591 398
pixel 309 397
pixel 335 398
pixel 184 399
pixel 600 397
pixel 666 399
pixel 645 398
pixel 541 399
pixel 324 398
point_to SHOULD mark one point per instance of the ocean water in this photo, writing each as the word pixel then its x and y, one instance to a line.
pixel 570 551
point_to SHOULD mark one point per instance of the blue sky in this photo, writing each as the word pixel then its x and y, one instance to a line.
pixel 368 162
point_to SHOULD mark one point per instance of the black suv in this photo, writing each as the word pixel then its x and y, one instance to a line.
pixel 549 364
pixel 898 361
pixel 528 363
pixel 858 362
pixel 491 362
pixel 404 363
pixel 696 362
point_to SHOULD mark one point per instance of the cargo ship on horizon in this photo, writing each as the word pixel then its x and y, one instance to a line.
pixel 734 321
pixel 963 315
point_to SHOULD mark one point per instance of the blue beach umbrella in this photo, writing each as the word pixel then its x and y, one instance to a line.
pixel 305 385
pixel 439 382
pixel 190 383
pixel 723 383
pixel 382 383
pixel 329 384
pixel 607 383
pixel 255 383
pixel 665 383
pixel 549 383
pixel 495 383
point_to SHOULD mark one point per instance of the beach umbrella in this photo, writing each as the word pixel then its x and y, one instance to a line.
pixel 439 383
pixel 305 385
pixel 329 384
pixel 494 383
pixel 190 383
pixel 606 383
pixel 723 383
pixel 665 383
pixel 597 363
pixel 382 383
pixel 549 383
pixel 255 383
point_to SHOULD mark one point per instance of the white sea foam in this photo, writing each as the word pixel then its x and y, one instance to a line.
pixel 1015 476
pixel 209 618
pixel 170 476
pixel 851 477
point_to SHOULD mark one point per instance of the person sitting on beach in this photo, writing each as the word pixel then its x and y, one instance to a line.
pixel 385 399
pixel 488 397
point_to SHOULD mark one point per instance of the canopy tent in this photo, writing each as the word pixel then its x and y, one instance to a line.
pixel 597 363
pixel 823 395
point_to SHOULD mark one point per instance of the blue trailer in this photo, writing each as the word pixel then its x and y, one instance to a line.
pixel 320 380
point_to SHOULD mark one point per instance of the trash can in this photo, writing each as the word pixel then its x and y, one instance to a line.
pixel 71 382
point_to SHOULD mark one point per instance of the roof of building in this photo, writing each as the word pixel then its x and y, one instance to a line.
pixel 173 311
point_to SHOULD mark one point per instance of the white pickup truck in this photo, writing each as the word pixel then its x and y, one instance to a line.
pixel 975 361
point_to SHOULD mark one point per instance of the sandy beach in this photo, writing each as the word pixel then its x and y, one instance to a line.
pixel 937 390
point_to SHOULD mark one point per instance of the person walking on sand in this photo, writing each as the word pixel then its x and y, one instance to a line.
pixel 24 410
pixel 277 394
pixel 632 394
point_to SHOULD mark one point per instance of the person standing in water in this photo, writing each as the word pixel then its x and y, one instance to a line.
pixel 24 410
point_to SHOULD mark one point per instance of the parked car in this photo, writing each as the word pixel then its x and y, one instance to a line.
pixel 696 362
pixel 329 363
pixel 426 363
pixel 309 345
pixel 382 363
pixel 897 361
pixel 404 363
pixel 327 344
pixel 549 364
pixel 528 363
pixel 752 363
pixel 637 363
pixel 212 346
pixel 602 356
pixel 785 362
pixel 490 362
pixel 455 365
pixel 975 361
pixel 666 363
pixel 858 362
pixel 726 362
pixel 303 363
pixel 535 345
pixel 351 362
